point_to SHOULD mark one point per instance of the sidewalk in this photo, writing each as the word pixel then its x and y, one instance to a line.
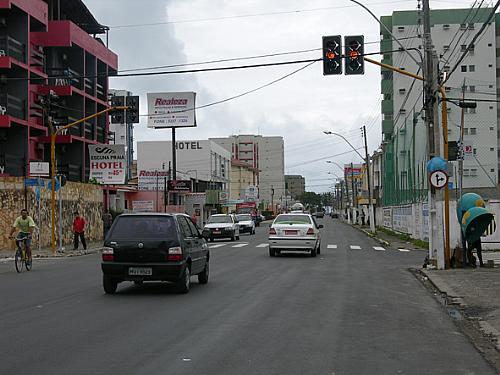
pixel 46 252
pixel 474 292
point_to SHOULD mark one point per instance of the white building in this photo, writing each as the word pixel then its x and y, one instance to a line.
pixel 404 132
pixel 268 156
pixel 202 160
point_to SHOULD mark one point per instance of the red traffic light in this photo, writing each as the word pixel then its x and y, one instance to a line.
pixel 330 55
pixel 354 55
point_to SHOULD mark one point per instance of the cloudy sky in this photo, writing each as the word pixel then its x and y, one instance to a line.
pixel 298 108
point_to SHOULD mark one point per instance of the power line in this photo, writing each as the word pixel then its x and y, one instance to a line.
pixel 296 11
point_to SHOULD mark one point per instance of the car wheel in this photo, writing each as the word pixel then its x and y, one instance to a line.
pixel 313 252
pixel 184 282
pixel 272 252
pixel 109 284
pixel 318 250
pixel 203 276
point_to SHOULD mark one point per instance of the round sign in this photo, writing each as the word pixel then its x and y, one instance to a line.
pixel 438 179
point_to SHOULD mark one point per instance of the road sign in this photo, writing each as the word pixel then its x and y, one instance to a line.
pixel 34 182
pixel 438 179
pixel 468 150
pixel 39 169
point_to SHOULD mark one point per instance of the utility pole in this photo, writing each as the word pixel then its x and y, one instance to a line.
pixel 371 213
pixel 353 195
pixel 461 173
pixel 436 241
pixel 174 164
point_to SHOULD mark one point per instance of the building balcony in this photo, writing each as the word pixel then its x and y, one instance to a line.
pixel 385 45
pixel 387 106
pixel 386 86
pixel 12 106
pixel 387 126
pixel 12 48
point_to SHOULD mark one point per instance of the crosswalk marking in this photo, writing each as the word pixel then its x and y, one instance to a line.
pixel 378 248
pixel 355 247
pixel 332 246
pixel 217 245
pixel 263 245
pixel 240 245
pixel 404 250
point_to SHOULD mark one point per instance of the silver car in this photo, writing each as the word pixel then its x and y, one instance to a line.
pixel 294 232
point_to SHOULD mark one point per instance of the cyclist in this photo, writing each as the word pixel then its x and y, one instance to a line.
pixel 25 225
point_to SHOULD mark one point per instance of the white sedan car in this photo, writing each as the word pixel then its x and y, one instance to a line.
pixel 294 232
pixel 247 224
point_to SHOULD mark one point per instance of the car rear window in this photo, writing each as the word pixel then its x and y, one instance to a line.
pixel 244 217
pixel 292 219
pixel 220 219
pixel 149 227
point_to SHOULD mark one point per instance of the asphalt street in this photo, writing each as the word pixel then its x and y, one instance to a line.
pixel 354 309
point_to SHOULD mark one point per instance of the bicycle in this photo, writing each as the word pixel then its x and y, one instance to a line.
pixel 21 257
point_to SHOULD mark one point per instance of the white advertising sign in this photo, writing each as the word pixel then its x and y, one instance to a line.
pixel 468 150
pixel 171 109
pixel 39 169
pixel 251 192
pixel 143 206
pixel 151 180
pixel 108 164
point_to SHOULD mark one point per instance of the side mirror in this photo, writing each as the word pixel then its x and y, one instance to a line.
pixel 320 226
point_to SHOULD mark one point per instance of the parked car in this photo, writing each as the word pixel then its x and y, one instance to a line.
pixel 246 223
pixel 154 247
pixel 294 232
pixel 222 226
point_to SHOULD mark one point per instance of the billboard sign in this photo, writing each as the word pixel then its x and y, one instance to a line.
pixel 143 206
pixel 39 169
pixel 108 164
pixel 468 150
pixel 251 193
pixel 151 180
pixel 179 185
pixel 171 110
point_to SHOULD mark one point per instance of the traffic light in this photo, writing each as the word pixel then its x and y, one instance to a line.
pixel 132 110
pixel 118 116
pixel 354 51
pixel 452 150
pixel 332 55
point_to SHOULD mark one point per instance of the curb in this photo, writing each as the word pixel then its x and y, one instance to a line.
pixel 57 254
pixel 370 234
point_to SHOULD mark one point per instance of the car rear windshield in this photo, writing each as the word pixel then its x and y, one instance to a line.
pixel 244 217
pixel 144 227
pixel 292 219
pixel 220 219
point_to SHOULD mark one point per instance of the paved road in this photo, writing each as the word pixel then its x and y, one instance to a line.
pixel 351 310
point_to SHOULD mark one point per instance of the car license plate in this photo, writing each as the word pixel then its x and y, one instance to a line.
pixel 140 271
pixel 291 232
pixel 217 231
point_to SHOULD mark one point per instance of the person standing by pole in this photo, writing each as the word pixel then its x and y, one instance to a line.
pixel 79 231
pixel 107 220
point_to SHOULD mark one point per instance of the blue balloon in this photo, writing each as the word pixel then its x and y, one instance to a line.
pixel 437 164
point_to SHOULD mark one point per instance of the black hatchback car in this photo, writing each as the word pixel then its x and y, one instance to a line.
pixel 154 247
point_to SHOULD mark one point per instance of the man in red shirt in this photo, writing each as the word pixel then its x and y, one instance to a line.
pixel 79 231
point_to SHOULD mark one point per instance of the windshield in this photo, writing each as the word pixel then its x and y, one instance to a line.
pixel 152 227
pixel 292 219
pixel 244 217
pixel 220 219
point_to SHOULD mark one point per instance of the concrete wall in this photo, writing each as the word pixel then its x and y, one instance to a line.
pixel 412 219
pixel 86 198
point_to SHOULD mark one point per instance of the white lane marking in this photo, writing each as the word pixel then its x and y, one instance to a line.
pixel 263 245
pixel 240 245
pixel 404 250
pixel 355 247
pixel 217 245
pixel 378 248
pixel 332 246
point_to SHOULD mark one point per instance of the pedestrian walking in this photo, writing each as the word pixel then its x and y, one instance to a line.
pixel 107 220
pixel 362 217
pixel 79 231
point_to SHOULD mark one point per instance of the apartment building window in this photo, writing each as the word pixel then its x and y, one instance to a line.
pixel 492 149
pixel 463 68
pixel 446 48
pixel 402 111
pixel 401 28
pixel 490 65
pixel 472 68
pixel 471 26
pixel 490 86
pixel 471 48
pixel 402 91
pixel 473 172
pixel 473 131
pixel 492 170
pixel 463 26
pixel 386 75
pixel 470 110
pixel 491 107
pixel 466 131
pixel 466 172
pixel 446 68
pixel 463 47
pixel 491 127
pixel 447 89
pixel 446 27
pixel 474 151
pixel 472 88
pixel 490 45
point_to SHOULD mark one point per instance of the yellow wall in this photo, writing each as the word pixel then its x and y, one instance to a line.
pixel 241 178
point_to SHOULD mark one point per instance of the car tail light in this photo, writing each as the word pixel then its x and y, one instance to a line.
pixel 310 232
pixel 272 231
pixel 107 254
pixel 175 254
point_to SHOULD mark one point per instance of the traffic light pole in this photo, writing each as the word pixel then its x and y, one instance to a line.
pixel 371 213
pixel 53 136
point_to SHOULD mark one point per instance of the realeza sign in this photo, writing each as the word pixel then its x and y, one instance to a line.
pixel 171 109
pixel 107 164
